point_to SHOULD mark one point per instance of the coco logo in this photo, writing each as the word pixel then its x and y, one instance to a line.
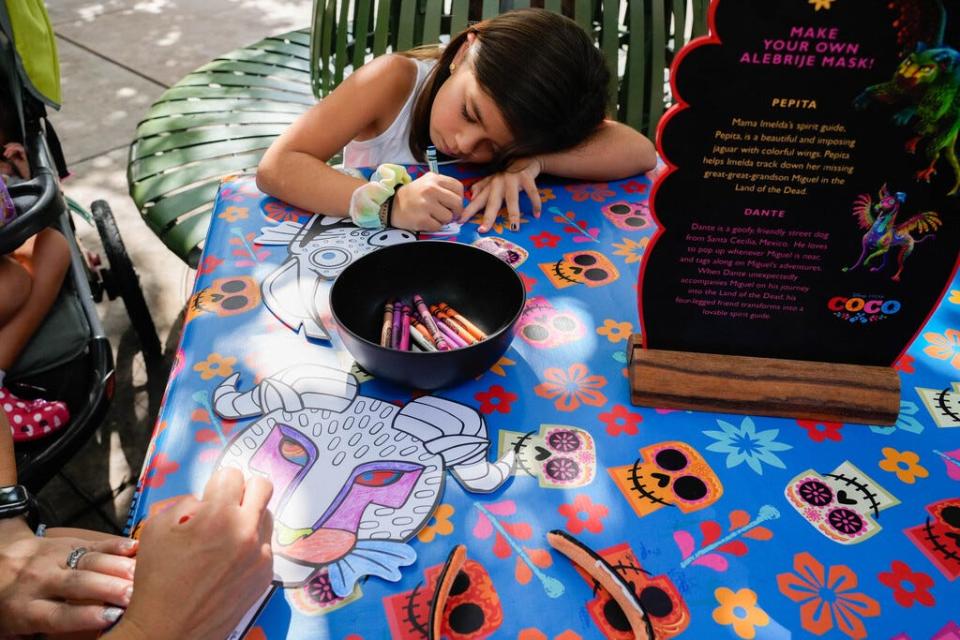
pixel 863 309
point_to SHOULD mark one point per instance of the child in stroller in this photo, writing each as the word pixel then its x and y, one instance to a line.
pixel 30 278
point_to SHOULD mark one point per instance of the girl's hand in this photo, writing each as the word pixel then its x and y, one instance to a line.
pixel 16 155
pixel 40 594
pixel 495 190
pixel 427 203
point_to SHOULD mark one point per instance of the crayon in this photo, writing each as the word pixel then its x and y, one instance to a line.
pixel 420 337
pixel 397 325
pixel 452 337
pixel 386 333
pixel 459 330
pixel 429 322
pixel 405 328
pixel 474 330
pixel 416 326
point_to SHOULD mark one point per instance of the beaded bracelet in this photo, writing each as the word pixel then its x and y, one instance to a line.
pixel 370 204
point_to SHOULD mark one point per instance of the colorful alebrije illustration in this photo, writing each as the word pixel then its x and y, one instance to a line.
pixel 472 611
pixel 354 477
pixel 843 505
pixel 559 456
pixel 660 598
pixel 924 86
pixel 885 234
pixel 666 474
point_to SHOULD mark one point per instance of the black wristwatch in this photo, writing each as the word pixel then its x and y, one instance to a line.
pixel 15 501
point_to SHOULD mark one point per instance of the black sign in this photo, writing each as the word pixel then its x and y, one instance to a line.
pixel 810 210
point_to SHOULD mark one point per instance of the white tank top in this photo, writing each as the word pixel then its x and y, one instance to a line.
pixel 393 145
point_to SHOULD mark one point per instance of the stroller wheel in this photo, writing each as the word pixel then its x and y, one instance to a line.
pixel 126 281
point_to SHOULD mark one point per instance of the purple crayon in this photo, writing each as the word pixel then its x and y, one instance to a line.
pixel 431 325
pixel 452 337
pixel 397 325
pixel 405 328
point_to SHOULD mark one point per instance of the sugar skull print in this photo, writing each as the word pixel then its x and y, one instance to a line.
pixel 843 505
pixel 939 537
pixel 544 327
pixel 559 456
pixel 354 477
pixel 591 268
pixel 224 297
pixel 668 474
pixel 296 292
pixel 628 216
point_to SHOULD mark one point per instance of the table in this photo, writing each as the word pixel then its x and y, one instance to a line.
pixel 726 525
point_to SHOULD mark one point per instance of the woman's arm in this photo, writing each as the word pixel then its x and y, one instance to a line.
pixel 294 168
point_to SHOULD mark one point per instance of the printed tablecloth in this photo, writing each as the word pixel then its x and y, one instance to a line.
pixel 725 525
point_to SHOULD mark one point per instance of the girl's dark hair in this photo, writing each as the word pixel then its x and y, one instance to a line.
pixel 543 72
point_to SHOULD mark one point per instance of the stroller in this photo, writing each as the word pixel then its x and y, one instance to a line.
pixel 69 358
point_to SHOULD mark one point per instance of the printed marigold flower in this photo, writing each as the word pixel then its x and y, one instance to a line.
pixel 209 264
pixel 546 195
pixel 572 387
pixel 496 398
pixel 545 239
pixel 919 585
pixel 827 595
pixel 944 346
pixel 215 365
pixel 635 186
pixel 582 514
pixel 739 609
pixel 615 331
pixel 439 525
pixel 621 420
pixel 818 431
pixel 904 464
pixel 954 296
pixel 630 250
pixel 233 214
pixel 905 364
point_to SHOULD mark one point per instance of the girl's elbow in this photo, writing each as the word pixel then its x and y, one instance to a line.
pixel 267 175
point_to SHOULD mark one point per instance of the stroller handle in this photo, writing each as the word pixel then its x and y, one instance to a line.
pixel 38 201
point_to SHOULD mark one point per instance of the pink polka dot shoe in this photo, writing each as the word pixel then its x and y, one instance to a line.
pixel 32 419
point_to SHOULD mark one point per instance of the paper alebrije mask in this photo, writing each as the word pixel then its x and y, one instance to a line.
pixel 560 456
pixel 843 505
pixel 354 477
pixel 668 473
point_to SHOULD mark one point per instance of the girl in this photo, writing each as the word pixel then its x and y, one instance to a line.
pixel 524 92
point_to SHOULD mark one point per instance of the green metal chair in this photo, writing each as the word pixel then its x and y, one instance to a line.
pixel 220 119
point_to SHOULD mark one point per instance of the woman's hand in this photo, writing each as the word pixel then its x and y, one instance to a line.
pixel 40 594
pixel 202 563
pixel 493 191
pixel 427 203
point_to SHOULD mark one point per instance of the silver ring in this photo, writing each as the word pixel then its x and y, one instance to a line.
pixel 74 558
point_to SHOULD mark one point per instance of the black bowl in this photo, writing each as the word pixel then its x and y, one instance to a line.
pixel 477 284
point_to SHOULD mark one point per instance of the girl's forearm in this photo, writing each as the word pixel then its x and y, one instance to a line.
pixel 615 151
pixel 307 182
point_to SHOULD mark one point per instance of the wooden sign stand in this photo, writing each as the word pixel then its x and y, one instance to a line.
pixel 763 386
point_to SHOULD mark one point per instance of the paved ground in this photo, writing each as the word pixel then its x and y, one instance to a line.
pixel 117 57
